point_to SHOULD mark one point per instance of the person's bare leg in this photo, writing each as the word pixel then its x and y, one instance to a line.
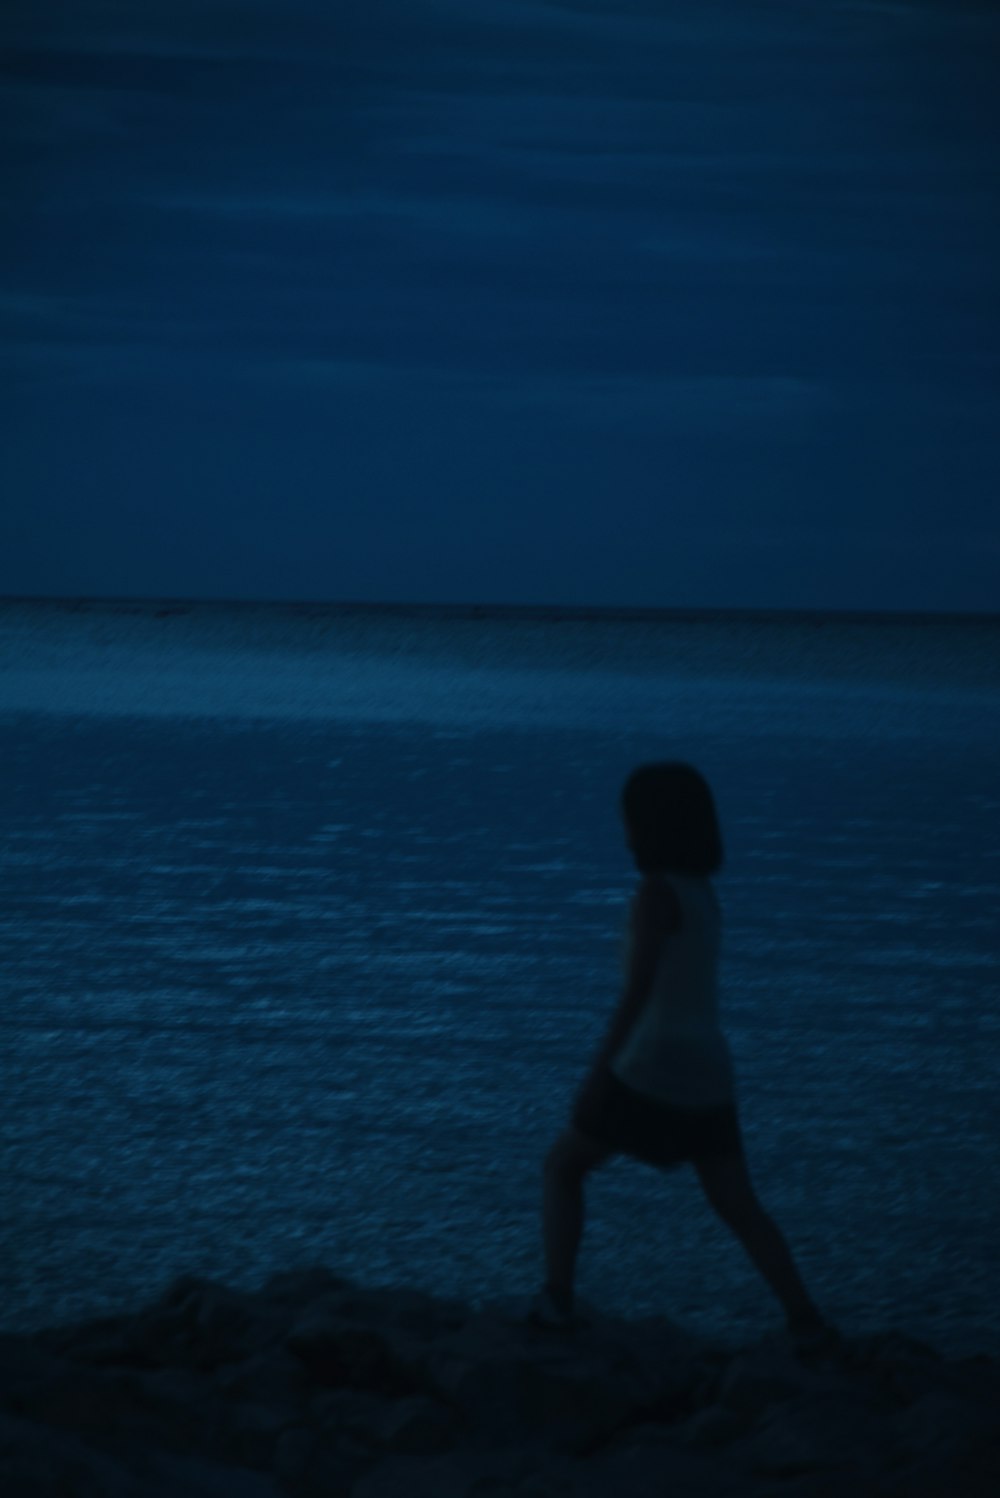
pixel 728 1187
pixel 567 1164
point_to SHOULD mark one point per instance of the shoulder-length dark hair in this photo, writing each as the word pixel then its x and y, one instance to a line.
pixel 671 815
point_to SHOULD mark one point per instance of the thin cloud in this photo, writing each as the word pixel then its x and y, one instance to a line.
pixel 711 403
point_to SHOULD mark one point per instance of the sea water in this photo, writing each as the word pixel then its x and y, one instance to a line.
pixel 312 924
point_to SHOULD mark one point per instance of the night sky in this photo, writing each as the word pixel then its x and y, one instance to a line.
pixel 580 302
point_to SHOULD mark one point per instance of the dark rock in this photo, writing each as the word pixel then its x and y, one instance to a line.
pixel 713 1427
pixel 418 1425
pixel 294 1453
pixel 37 1462
pixel 111 1410
pixel 382 1422
pixel 343 1354
pixel 458 1474
pixel 761 1377
pixel 647 1465
pixel 276 1377
pixel 105 1342
pixel 320 1388
pixel 309 1467
pixel 27 1365
pixel 299 1287
pixel 251 1434
pixel 786 1442
pixel 354 1414
pixel 422 1316
pixel 942 1426
pixel 202 1325
pixel 571 1394
pixel 165 1476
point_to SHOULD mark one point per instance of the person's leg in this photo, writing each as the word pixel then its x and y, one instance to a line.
pixel 567 1164
pixel 727 1185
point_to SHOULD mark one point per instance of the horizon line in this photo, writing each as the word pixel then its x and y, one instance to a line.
pixel 544 610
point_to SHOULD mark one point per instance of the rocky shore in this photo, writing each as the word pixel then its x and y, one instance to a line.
pixel 320 1387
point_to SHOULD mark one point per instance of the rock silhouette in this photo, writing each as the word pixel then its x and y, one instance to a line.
pixel 315 1385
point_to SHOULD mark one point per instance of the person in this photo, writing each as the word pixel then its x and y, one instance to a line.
pixel 661 1088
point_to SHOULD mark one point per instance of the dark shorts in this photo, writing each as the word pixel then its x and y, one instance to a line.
pixel 657 1133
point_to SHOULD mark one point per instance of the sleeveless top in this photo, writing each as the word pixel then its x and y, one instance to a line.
pixel 675 1051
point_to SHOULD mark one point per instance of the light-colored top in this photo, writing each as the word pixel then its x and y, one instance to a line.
pixel 676 1052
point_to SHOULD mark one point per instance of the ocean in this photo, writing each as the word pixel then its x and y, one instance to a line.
pixel 312 920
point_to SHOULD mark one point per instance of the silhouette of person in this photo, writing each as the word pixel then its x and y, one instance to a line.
pixel 661 1088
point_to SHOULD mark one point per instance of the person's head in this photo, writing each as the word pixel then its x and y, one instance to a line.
pixel 670 819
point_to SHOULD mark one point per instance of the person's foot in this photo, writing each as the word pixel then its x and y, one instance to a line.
pixel 551 1311
pixel 809 1331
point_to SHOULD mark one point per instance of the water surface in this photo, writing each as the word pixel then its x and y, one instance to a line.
pixel 312 925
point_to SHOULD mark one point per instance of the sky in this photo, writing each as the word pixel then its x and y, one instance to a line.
pixel 609 303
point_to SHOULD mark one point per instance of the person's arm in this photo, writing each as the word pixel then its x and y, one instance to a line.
pixel 655 912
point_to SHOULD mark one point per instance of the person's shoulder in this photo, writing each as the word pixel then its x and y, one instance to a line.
pixel 655 904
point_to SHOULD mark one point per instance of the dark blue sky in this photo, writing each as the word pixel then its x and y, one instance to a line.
pixel 610 302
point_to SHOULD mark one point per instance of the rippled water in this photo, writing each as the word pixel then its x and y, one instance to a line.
pixel 312 920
